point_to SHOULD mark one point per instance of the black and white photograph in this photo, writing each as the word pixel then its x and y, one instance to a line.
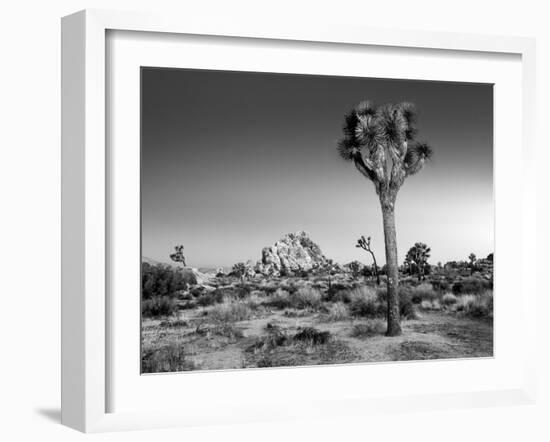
pixel 300 220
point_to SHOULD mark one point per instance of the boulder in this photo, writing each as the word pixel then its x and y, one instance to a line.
pixel 294 252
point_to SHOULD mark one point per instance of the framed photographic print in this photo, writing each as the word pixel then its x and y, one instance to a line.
pixel 250 213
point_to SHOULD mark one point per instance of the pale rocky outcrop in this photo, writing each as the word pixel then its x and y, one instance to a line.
pixel 292 253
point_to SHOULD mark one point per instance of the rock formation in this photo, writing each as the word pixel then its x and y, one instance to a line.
pixel 294 252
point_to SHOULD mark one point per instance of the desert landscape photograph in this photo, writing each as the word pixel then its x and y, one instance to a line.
pixel 300 220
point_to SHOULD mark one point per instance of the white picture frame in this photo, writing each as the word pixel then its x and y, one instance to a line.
pixel 86 203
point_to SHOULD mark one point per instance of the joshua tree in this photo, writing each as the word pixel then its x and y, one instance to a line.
pixel 239 270
pixel 355 267
pixel 365 245
pixel 177 256
pixel 379 140
pixel 472 258
pixel 419 255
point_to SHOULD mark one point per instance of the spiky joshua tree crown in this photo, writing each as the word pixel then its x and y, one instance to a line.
pixel 380 141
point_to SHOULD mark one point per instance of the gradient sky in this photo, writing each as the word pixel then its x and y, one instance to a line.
pixel 231 161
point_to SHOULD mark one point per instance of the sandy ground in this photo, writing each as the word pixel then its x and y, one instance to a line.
pixel 434 335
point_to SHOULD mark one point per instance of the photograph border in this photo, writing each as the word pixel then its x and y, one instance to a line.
pixel 85 199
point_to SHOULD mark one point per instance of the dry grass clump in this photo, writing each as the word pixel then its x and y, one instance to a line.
pixel 222 329
pixel 422 292
pixel 476 306
pixel 305 297
pixel 159 306
pixel 302 298
pixel 232 311
pixel 312 336
pixel 449 299
pixel 369 328
pixel 176 323
pixel 171 357
pixel 210 298
pixel 473 286
pixel 431 305
pixel 365 303
pixel 338 312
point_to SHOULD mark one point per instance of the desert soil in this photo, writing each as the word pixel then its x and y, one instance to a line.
pixel 434 335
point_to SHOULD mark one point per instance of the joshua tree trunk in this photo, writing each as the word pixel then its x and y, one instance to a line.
pixel 390 239
pixel 376 274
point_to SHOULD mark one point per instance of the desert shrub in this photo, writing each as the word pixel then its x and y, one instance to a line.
pixel 406 308
pixel 337 312
pixel 449 299
pixel 335 290
pixel 242 291
pixel 269 289
pixel 431 305
pixel 230 312
pixel 419 293
pixel 406 305
pixel 275 337
pixel 341 295
pixel 476 306
pixel 211 298
pixel 158 306
pixel 294 313
pixel 312 336
pixel 472 286
pixel 220 329
pixel 174 324
pixel 365 303
pixel 197 291
pixel 279 300
pixel 440 285
pixel 305 297
pixel 168 358
pixel 163 280
pixel 369 328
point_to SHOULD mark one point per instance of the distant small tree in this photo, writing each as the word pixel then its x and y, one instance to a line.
pixel 490 257
pixel 355 267
pixel 472 258
pixel 177 256
pixel 240 270
pixel 330 269
pixel 365 245
pixel 418 256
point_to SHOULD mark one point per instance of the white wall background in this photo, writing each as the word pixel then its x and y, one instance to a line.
pixel 30 220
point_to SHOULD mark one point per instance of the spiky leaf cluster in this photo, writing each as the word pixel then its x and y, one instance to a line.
pixel 380 141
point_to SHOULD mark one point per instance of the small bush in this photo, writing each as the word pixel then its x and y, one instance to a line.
pixel 312 336
pixel 441 285
pixel 431 305
pixel 211 298
pixel 306 297
pixel 279 300
pixel 338 312
pixel 365 303
pixel 369 328
pixel 473 286
pixel 476 306
pixel 337 292
pixel 419 293
pixel 158 306
pixel 242 291
pixel 230 312
pixel 220 329
pixel 406 306
pixel 342 295
pixel 174 324
pixel 169 358
pixel 449 299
